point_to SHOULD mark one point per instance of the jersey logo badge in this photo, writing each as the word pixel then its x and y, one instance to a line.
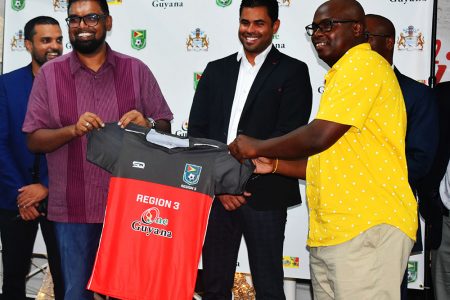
pixel 191 174
pixel 138 164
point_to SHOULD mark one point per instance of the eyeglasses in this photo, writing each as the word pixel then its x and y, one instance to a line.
pixel 325 26
pixel 368 35
pixel 90 20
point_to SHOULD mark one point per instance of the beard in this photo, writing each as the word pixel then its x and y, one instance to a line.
pixel 88 46
pixel 42 59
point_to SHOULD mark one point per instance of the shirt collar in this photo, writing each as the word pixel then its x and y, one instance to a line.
pixel 359 47
pixel 337 65
pixel 75 63
pixel 258 59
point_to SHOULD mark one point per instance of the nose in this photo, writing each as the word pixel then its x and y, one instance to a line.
pixel 83 24
pixel 317 33
pixel 250 28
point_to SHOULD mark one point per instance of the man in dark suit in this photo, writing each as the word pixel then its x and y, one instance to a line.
pixel 23 175
pixel 421 112
pixel 262 93
pixel 432 208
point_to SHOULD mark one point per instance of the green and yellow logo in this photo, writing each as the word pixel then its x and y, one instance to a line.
pixel 197 76
pixel 223 3
pixel 17 4
pixel 412 271
pixel 138 39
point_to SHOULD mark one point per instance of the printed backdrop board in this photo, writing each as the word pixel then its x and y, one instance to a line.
pixel 177 38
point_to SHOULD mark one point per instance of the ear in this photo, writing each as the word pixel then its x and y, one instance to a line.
pixel 390 43
pixel 275 26
pixel 29 45
pixel 358 29
pixel 108 23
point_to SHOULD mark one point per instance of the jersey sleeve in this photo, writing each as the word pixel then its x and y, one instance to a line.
pixel 230 176
pixel 104 146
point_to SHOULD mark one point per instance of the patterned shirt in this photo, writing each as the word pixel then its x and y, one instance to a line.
pixel 65 89
pixel 361 181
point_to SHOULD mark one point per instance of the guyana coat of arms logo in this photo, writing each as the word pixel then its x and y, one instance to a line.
pixel 18 41
pixel 60 5
pixel 138 39
pixel 223 3
pixel 284 2
pixel 410 39
pixel 191 174
pixel 114 1
pixel 17 4
pixel 197 41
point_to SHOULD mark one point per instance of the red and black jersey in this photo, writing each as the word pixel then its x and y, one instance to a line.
pixel 158 204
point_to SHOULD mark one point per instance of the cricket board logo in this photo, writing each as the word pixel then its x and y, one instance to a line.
pixel 60 5
pixel 191 174
pixel 410 39
pixel 17 4
pixel 412 271
pixel 148 221
pixel 18 41
pixel 223 3
pixel 138 39
pixel 197 41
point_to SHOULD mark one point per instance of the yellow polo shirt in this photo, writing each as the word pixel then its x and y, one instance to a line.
pixel 361 181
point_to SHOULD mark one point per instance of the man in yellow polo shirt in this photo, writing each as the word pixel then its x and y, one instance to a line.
pixel 363 215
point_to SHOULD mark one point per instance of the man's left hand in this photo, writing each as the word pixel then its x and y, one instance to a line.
pixel 31 194
pixel 28 213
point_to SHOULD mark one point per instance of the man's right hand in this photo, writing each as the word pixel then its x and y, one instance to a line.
pixel 87 122
pixel 244 147
pixel 232 202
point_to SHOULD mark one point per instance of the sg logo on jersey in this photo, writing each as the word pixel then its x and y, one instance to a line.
pixel 191 174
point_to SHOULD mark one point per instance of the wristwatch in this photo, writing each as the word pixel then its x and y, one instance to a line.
pixel 152 122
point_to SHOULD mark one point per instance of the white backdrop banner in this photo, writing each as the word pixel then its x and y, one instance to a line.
pixel 177 38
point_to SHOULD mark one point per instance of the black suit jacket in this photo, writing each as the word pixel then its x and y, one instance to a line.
pixel 279 101
pixel 431 207
pixel 422 133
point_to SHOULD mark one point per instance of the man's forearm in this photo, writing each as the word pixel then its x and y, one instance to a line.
pixel 48 140
pixel 305 141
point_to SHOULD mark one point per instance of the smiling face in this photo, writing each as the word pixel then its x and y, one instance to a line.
pixel 331 45
pixel 256 30
pixel 45 44
pixel 88 39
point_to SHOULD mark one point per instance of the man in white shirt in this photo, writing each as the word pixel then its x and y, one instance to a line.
pixel 262 93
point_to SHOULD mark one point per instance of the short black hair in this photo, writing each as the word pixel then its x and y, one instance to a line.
pixel 41 20
pixel 271 5
pixel 103 5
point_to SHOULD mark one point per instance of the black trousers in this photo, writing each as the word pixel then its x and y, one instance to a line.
pixel 18 239
pixel 263 232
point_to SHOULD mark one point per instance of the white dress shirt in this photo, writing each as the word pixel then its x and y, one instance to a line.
pixel 247 74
